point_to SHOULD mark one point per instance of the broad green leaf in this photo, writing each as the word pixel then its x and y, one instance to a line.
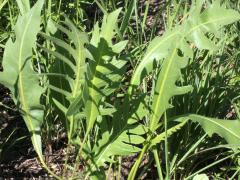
pixel 193 29
pixel 115 143
pixel 101 73
pixel 74 56
pixel 93 78
pixel 166 87
pixel 18 74
pixel 120 136
pixel 172 52
pixel 24 6
pixel 105 70
pixel 178 40
pixel 157 49
pixel 109 25
pixel 227 129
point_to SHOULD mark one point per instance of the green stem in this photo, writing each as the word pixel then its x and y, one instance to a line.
pixel 134 169
pixel 119 168
pixel 3 4
pixel 80 151
pixel 212 164
pixel 137 21
pixel 46 167
pixel 109 169
pixel 71 119
pixel 49 10
pixel 157 160
pixel 166 146
pixel 77 17
pixel 11 16
pixel 59 7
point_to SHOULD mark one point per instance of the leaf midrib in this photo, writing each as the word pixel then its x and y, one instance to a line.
pixel 78 63
pixel 211 120
pixel 21 86
pixel 169 37
pixel 92 91
pixel 169 65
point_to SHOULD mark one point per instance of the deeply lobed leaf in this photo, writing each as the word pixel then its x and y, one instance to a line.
pixel 19 75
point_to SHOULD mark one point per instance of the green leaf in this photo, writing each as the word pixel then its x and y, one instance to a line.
pixel 193 29
pixel 166 87
pixel 105 69
pixel 24 6
pixel 228 129
pixel 161 137
pixel 120 136
pixel 70 61
pixel 157 49
pixel 201 177
pixel 174 50
pixel 19 76
pixel 170 53
pixel 127 17
pixel 93 78
pixel 100 73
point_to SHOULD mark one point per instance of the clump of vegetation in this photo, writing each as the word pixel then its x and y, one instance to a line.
pixel 116 92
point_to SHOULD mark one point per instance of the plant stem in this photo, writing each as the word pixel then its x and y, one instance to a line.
pixel 216 162
pixel 166 146
pixel 77 17
pixel 119 167
pixel 157 160
pixel 49 10
pixel 59 8
pixel 134 169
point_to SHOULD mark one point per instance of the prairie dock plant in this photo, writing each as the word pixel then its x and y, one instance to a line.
pixel 119 94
